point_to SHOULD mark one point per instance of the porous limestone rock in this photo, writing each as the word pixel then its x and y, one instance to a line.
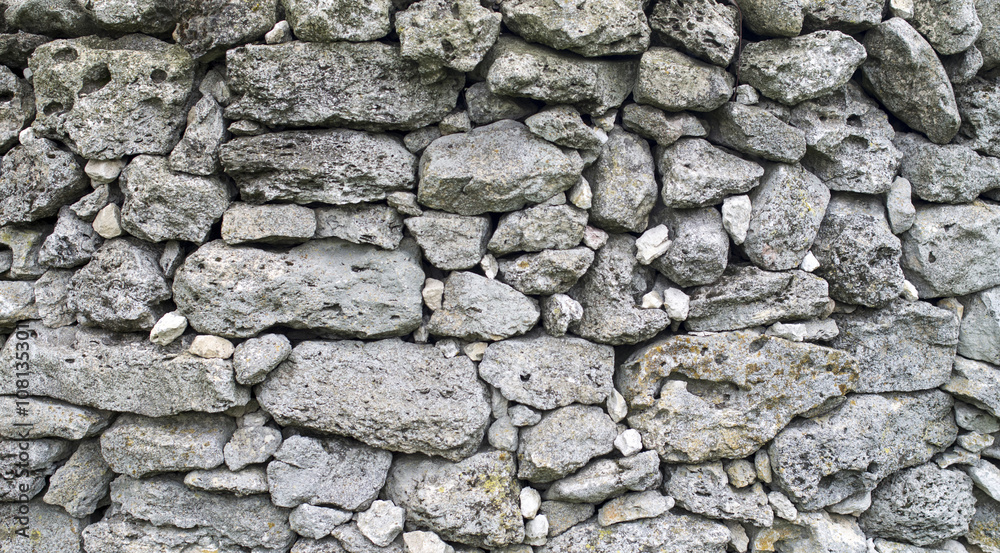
pixel 43 529
pixel 694 173
pixel 36 179
pixel 623 184
pixel 207 29
pixel 563 441
pixel 681 533
pixel 672 81
pixel 479 308
pixel 952 173
pixel 448 33
pixel 80 485
pixel 705 490
pixel 351 20
pixel 269 224
pixel 141 446
pixel 755 131
pixel 950 27
pixel 606 478
pixel 713 39
pixel 547 272
pixel 72 243
pixel 699 246
pixel 588 28
pixel 51 418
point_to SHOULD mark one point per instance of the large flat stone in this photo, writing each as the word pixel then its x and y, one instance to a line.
pixel 677 533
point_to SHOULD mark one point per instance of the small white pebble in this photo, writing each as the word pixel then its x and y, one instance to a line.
pixel 475 350
pixel 108 223
pixel 809 263
pixel 652 244
pixel 433 293
pixel 594 238
pixel 910 291
pixel 211 347
pixel 168 328
pixel 629 442
pixel 652 300
pixel 531 500
pixel 676 303
pixel 581 194
pixel 490 266
pixel 103 172
pixel 617 407
pixel 536 530
pixel 449 346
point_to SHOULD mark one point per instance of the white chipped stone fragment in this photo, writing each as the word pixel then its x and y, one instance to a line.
pixel 536 530
pixel 433 293
pixel 910 291
pixel 676 303
pixel 594 238
pixel 405 203
pixel 739 540
pixel 449 347
pixel 489 266
pixel 581 195
pixel 736 217
pixel 809 263
pixel 475 350
pixel 902 9
pixel 652 300
pixel 617 407
pixel 782 506
pixel 425 542
pixel 522 415
pixel 108 222
pixel 652 244
pixel 953 305
pixel 279 34
pixel 629 442
pixel 530 500
pixel 382 522
pixel 986 476
pixel 853 505
pixel 502 434
pixel 103 172
pixel 819 329
pixel 899 206
pixel 168 328
pixel 762 464
pixel 421 335
pixel 975 441
pixel 747 95
pixel 211 347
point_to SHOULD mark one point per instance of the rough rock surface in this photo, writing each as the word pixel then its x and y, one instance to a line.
pixel 699 247
pixel 563 441
pixel 755 131
pixel 449 33
pixel 206 29
pixel 704 489
pixel 342 20
pixel 714 39
pixel 36 179
pixel 979 337
pixel 623 184
pixel 478 308
pixel 538 228
pixel 72 243
pixel 588 28
pixel 950 174
pixel 140 446
pixel 667 532
pixel 694 173
pixel 450 242
pixel 548 272
pixel 673 81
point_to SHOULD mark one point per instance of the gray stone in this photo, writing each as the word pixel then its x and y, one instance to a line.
pixel 442 409
pixel 330 471
pixel 50 418
pixel 486 107
pixel 367 85
pixel 350 538
pixel 316 522
pixel 788 208
pixel 478 308
pixel 634 506
pixel 982 527
pixel 140 446
pixel 562 516
pixel 921 505
pixel 705 490
pixel 335 166
pixel 252 521
pixel 246 482
pixel 694 173
pixel 198 151
pixel 250 446
pixel 848 141
pixel 905 346
pixel 17 108
pixel 207 29
pixel 87 207
pixel 24 243
pixel 382 522
pixel 123 534
pixel 49 17
pixel 979 104
pixel 946 174
pixel 905 74
pixel 17 302
pixel 148 92
pixel 970 418
pixel 269 224
pixel 502 434
pixel 122 288
pixel 606 478
pixel 816 531
pixel 679 533
pixel 416 141
pixel 538 228
pixel 450 242
pixel 975 383
pixel 474 502
pixel 72 243
pixel 449 33
pixel 754 130
pixel 590 29
pixel 152 17
pixel 953 250
pixel 375 224
pixel 963 66
pixel 36 180
pixel 823 460
pixel 699 247
pixel 51 530
pixel 774 17
pixel 516 68
pixel 980 333
pixel 351 20
pixel 522 415
pixel 548 272
pixel 17 47
pixel 562 125
pixel 988 42
pixel 950 27
pixel 256 357
pixel 499 167
pixel 123 372
pixel 81 484
pixel 559 311
pixel 714 38
pixel 746 296
pixel 791 70
pixel 161 204
pixel 858 254
pixel 359 291
pixel 700 398
pixel 623 184
pixel 565 440
pixel 672 81
pixel 849 17
pixel 26 478
pixel 661 127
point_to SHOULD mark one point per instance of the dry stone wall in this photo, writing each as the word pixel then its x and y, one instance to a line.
pixel 532 276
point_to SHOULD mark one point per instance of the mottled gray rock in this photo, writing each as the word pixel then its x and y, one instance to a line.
pixel 817 531
pixel 705 490
pixel 18 107
pixel 269 224
pixel 207 29
pixel 478 308
pixel 714 38
pixel 680 533
pixel 562 515
pixel 17 302
pixel 486 107
pixel 980 333
pixel 122 287
pixel 359 291
pixel 904 346
pixel 746 296
pixel 623 184
pixel 905 74
pixel 694 173
pixel 345 94
pixel 755 131
pixel 773 17
pixel 634 506
pixel 849 17
pixel 256 357
pixel 152 17
pixel 946 174
pixel 499 167
pixel 17 47
pixel 979 104
pixel 823 460
pixel 72 243
pixel 72 364
pixel 50 418
pixel 788 208
pixel 921 505
pixel 441 409
pixel 590 28
pixel 558 312
pixel 698 398
pixel 565 440
pixel 50 17
pixel 351 20
pixel 547 272
pixel 251 445
pixel 316 522
pixel 375 224
pixel 605 478
pixel 516 68
pixel 449 33
pixel 76 94
pixel 538 228
pixel 246 482
pixel 661 127
pixel 48 529
pixel 331 471
pixel 198 151
pixel 25 464
pixel 121 534
pixel 350 538
pixel 672 81
pixel 963 67
pixel 81 484
pixel 24 244
pixel 699 247
pixel 450 242
pixel 334 166
pixel 953 250
pixel 161 204
pixel 848 141
pixel 36 179
pixel 563 125
pixel 139 446
pixel 982 527
pixel 474 502
pixel 858 254
pixel 950 27
pixel 251 521
pixel 87 207
pixel 975 383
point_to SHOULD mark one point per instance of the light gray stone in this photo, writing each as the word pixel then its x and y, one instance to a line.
pixel 774 17
pixel 714 38
pixel 672 81
pixel 634 506
pixel 680 533
pixel 565 440
pixel 485 107
pixel 151 17
pixel 755 131
pixel 27 478
pixel 559 311
pixel 562 516
pixel 36 179
pixel 661 127
pixel 951 173
pixel 606 478
pixel 198 151
pixel 623 184
pixel 121 534
pixel 950 27
pixel 24 243
pixel 17 302
pixel 316 522
pixel 450 242
pixel 975 383
pixel 49 418
pixel 54 17
pixel 250 446
pixel 705 490
pixel 590 28
pixel 963 66
pixel 351 20
pixel 140 446
pixel 256 357
pixel 246 482
pixel 478 308
pixel 979 104
pixel 547 272
pixel 81 484
pixel 562 125
pixel 18 107
pixel 48 529
pixel 375 224
pixel 382 522
pixel 980 333
pixel 71 244
pixel 207 29
pixel 538 228
pixel 694 173
pixel 849 17
pixel 449 33
pixel 269 224
pixel 818 531
pixel 699 247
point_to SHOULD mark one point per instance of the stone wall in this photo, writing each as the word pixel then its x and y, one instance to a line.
pixel 538 276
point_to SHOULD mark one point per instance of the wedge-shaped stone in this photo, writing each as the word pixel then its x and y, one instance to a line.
pixel 343 20
pixel 26 464
pixel 415 399
pixel 139 446
pixel 479 308
pixel 623 183
pixel 979 103
pixel 667 532
pixel 951 173
pixel 980 334
pixel 365 85
pixel 335 166
pixel 548 272
pixel 754 130
pixel 826 459
pixel 119 534
pixel 36 179
pixel 699 398
pixel 788 208
pixel 714 38
pixel 543 227
pixel 50 418
pixel 606 478
pixel 694 173
pixel 334 287
pixel 976 383
pixel 563 441
pixel 673 81
pixel 450 33
pixel 705 489
pixel 450 242
pixel 81 484
pixel 587 28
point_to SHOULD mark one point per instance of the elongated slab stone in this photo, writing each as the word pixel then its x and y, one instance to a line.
pixel 667 532
pixel 701 398
pixel 413 398
pixel 337 288
pixel 50 419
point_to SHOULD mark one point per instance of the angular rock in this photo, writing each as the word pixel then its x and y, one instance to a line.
pixel 478 308
pixel 694 173
pixel 774 17
pixel 655 124
pixel 705 490
pixel 699 247
pixel 50 418
pixel 152 17
pixel 450 242
pixel 359 291
pixel 562 516
pixel 538 228
pixel 351 20
pixel 634 506
pixel 672 81
pixel 558 312
pixel 207 29
pixel 48 529
pixel 667 532
pixel 975 383
pixel 316 522
pixel 36 180
pixel 448 33
pixel 382 522
pixel 441 409
pixel 623 184
pixel 24 243
pixel 374 224
pixel 18 107
pixel 950 27
pixel 590 29
pixel 486 107
pixel 118 534
pixel 48 17
pixel 817 531
pixel 335 166
pixel 250 446
pixel 81 484
pixel 754 130
pixel 269 224
pixel 51 293
pixel 905 74
pixel 979 104
pixel 606 478
pixel 951 173
pixel 700 398
pixel 548 272
pixel 140 446
pixel 562 125
pixel 332 471
pixel 72 243
pixel 449 498
pixel 367 85
pixel 819 462
pixel 849 17
pixel 198 151
pixel 139 108
pixel 980 333
pixel 17 47
pixel 251 481
pixel 788 208
pixel 565 440
pixel 499 167
pixel 982 527
pixel 25 478
pixel 714 38
pixel 17 302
